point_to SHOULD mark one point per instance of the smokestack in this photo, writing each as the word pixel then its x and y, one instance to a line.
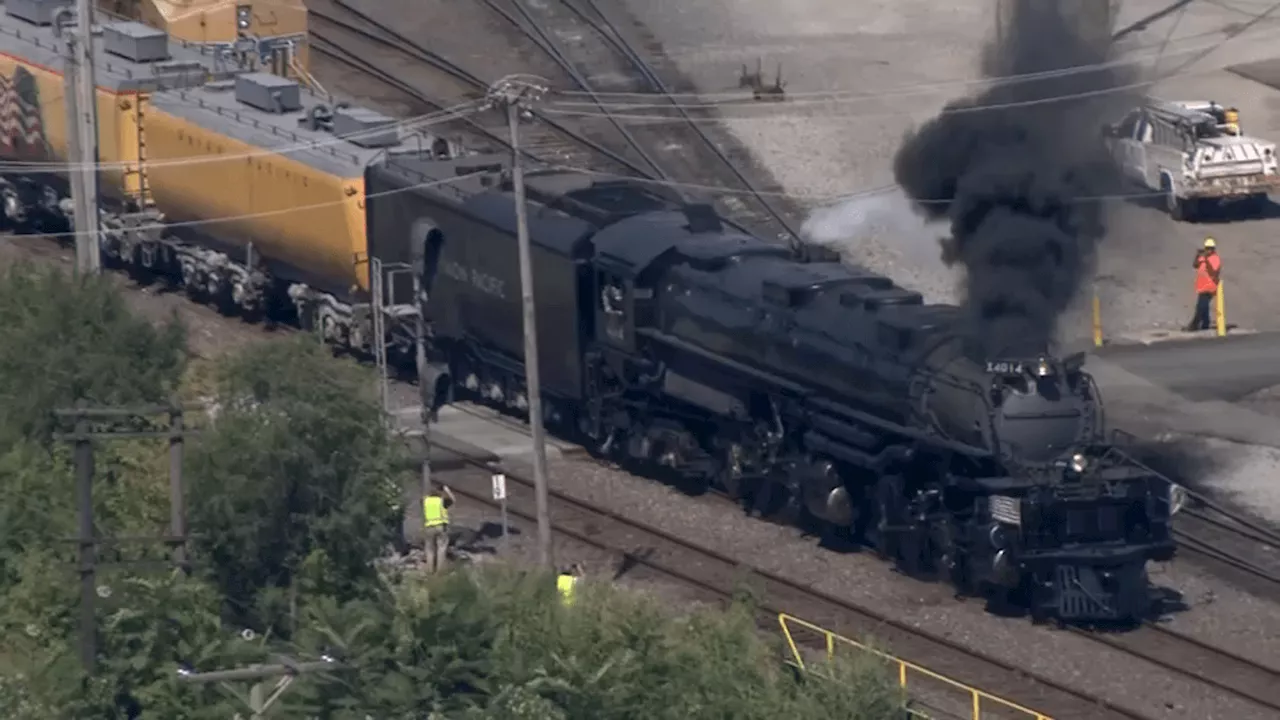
pixel 1016 170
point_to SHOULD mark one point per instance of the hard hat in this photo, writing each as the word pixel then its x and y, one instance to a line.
pixel 1210 243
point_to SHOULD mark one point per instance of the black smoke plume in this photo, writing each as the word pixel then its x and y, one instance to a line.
pixel 1013 170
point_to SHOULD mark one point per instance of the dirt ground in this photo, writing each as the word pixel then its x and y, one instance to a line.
pixel 210 333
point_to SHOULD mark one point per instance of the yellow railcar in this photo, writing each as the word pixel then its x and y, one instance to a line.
pixel 33 117
pixel 222 21
pixel 244 186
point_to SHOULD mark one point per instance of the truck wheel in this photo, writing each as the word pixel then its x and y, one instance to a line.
pixel 1180 209
pixel 1256 205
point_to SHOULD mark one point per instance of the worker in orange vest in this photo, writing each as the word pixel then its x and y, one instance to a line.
pixel 1208 267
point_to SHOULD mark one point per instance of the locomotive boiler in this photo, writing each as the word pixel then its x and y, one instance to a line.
pixel 814 392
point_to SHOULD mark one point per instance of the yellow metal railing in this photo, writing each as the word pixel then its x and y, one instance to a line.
pixel 978 700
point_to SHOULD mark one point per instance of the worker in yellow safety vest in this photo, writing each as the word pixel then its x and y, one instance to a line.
pixel 435 520
pixel 567 583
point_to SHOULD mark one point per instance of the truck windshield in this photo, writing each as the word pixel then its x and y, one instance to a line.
pixel 1207 130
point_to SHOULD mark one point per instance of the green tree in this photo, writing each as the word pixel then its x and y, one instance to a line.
pixel 64 339
pixel 297 470
pixel 148 628
pixel 484 643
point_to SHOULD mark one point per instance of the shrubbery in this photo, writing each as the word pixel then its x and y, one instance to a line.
pixel 293 493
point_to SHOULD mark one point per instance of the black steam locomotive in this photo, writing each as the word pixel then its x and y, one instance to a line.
pixel 813 391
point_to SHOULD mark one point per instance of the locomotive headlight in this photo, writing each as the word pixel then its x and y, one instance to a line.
pixel 1079 463
pixel 1042 368
pixel 243 16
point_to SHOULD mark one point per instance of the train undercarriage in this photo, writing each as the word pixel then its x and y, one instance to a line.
pixel 142 244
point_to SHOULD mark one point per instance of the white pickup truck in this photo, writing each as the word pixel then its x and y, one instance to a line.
pixel 1195 155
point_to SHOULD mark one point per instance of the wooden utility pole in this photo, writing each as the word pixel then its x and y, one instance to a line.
pixel 517 95
pixel 88 561
pixel 82 138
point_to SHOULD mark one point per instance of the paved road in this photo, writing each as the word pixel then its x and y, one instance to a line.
pixel 1209 369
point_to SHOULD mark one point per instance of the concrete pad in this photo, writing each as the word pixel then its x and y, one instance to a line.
pixel 1161 335
pixel 1266 72
pixel 479 431
pixel 1211 368
pixel 447 452
pixel 1141 406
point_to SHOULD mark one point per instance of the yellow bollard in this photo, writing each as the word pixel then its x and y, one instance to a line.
pixel 1221 307
pixel 1097 320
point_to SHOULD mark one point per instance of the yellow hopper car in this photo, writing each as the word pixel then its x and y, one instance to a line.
pixel 243 186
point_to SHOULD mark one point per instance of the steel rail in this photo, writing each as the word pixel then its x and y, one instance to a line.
pixel 590 524
pixel 549 46
pixel 395 40
pixel 608 30
pixel 1199 661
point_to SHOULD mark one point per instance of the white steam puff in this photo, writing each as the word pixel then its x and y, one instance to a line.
pixel 889 218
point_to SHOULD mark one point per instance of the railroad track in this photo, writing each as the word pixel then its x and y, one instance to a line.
pixel 1246 550
pixel 708 165
pixel 716 576
pixel 1188 657
pixel 352 37
pixel 1200 662
pixel 346 33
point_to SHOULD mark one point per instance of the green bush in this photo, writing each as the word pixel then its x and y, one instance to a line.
pixel 63 339
pixel 496 643
pixel 296 469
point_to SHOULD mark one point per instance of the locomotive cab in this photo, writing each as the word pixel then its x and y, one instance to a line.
pixel 617 301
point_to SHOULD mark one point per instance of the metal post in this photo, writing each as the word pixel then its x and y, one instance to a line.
pixel 1097 318
pixel 379 339
pixel 88 254
pixel 177 494
pixel 499 481
pixel 420 357
pixel 516 95
pixel 88 557
pixel 1220 308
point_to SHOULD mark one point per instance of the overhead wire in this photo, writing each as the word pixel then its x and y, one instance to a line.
pixel 165 225
pixel 831 198
pixel 925 88
pixel 1199 53
pixel 886 113
pixel 823 198
pixel 455 111
pixel 420 121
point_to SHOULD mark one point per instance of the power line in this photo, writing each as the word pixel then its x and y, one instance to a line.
pixel 271 213
pixel 420 121
pixel 833 198
pixel 926 88
pixel 828 198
